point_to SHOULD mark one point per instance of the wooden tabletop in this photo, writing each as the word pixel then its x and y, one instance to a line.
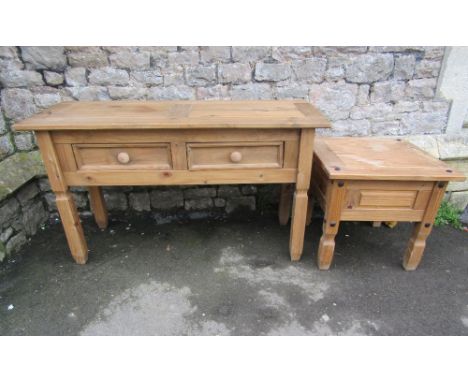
pixel 380 159
pixel 109 115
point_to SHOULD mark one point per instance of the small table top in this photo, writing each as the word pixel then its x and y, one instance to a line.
pixel 108 115
pixel 379 159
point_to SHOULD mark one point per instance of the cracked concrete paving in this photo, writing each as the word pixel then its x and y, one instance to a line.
pixel 233 277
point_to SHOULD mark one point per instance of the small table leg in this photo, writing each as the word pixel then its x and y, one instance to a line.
pixel 285 202
pixel 299 209
pixel 336 191
pixel 417 243
pixel 98 206
pixel 298 224
pixel 72 226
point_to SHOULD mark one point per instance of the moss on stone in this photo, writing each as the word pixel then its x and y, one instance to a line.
pixel 18 169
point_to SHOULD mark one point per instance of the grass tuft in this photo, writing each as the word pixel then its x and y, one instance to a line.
pixel 448 215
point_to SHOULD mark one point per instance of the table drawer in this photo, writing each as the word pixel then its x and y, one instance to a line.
pixel 231 155
pixel 122 156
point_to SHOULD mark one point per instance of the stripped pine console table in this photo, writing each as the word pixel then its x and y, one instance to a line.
pixel 123 143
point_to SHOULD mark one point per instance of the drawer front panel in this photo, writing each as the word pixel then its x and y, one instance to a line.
pixel 386 200
pixel 376 198
pixel 229 155
pixel 97 157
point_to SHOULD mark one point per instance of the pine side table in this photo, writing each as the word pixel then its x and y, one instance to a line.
pixel 122 143
pixel 377 179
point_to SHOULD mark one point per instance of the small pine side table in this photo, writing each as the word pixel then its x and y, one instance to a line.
pixel 377 179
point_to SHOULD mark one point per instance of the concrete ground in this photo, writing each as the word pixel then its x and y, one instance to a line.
pixel 234 277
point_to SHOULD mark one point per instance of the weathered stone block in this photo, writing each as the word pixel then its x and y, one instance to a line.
pixel 49 198
pixel 44 57
pixel 33 216
pixel 213 92
pixel 338 50
pixel 425 142
pixel 10 65
pixel 130 60
pixel 387 91
pixel 20 78
pixel 18 103
pixel 368 68
pixel 6 234
pixel 201 192
pixel 147 77
pixel 139 201
pixel 350 127
pixel 15 243
pixel 171 93
pixel 8 210
pixel 87 57
pixel 173 76
pixel 115 200
pixel 17 170
pixel 249 189
pixel 423 123
pixel 427 69
pixel 81 199
pixel 396 49
pixel 452 146
pixel 250 53
pixel 292 91
pixel 459 199
pixel 25 141
pixel 404 67
pixel 405 106
pixel 108 76
pixel 310 70
pixel 8 52
pixel 421 89
pixel 288 53
pixel 198 204
pixel 3 127
pixel 166 199
pixel 53 78
pixel 460 165
pixel 363 95
pixel 201 75
pixel 126 92
pixel 251 91
pixel 438 106
pixel 2 251
pixel 215 53
pixel 434 52
pixel 43 184
pixel 228 191
pixel 336 67
pixel 27 193
pixel 218 202
pixel 234 73
pixel 386 128
pixel 334 99
pixel 183 58
pixel 44 100
pixel 374 111
pixel 75 77
pixel 6 146
pixel 90 93
pixel 272 72
pixel 242 202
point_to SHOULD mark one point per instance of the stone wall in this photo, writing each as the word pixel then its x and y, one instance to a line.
pixel 363 90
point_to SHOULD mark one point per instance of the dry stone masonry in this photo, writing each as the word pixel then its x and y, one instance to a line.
pixel 363 90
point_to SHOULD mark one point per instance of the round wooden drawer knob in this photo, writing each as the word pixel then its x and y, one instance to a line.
pixel 236 156
pixel 123 157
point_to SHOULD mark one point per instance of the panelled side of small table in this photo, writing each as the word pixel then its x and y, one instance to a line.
pixel 377 179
